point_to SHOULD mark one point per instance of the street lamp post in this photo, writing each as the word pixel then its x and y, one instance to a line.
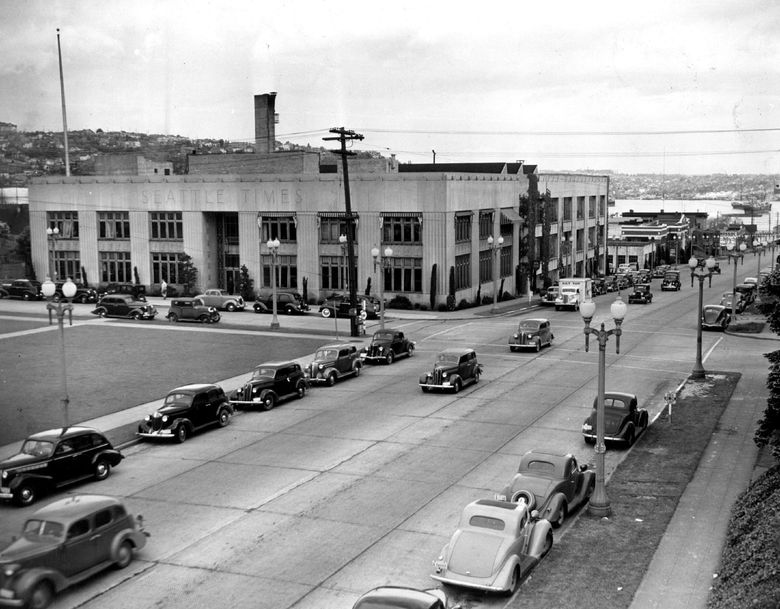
pixel 735 252
pixel 701 273
pixel 59 308
pixel 52 234
pixel 495 246
pixel 759 250
pixel 382 265
pixel 599 502
pixel 345 272
pixel 273 248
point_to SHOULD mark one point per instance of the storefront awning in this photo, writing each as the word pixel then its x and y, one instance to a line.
pixel 509 216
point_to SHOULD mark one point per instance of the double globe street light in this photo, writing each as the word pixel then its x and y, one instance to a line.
pixel 735 252
pixel 273 248
pixel 59 308
pixel 382 264
pixel 599 502
pixel 701 270
pixel 495 246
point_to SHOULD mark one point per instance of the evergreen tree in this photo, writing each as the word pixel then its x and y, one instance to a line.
pixel 188 274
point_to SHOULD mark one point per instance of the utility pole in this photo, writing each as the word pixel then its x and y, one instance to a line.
pixel 343 136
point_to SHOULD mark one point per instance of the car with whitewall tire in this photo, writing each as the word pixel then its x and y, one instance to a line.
pixel 186 410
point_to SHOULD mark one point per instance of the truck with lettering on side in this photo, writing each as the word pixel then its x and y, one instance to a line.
pixel 573 292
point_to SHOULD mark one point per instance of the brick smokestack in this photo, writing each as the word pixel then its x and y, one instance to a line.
pixel 265 121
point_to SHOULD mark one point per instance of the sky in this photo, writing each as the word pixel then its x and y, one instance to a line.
pixel 671 86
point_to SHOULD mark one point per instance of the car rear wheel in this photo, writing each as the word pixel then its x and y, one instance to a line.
pixel 25 494
pixel 224 417
pixel 124 555
pixel 84 299
pixel 136 316
pixel 356 370
pixel 326 313
pixel 630 436
pixel 102 469
pixel 173 318
pixel 390 357
pixel 204 319
pixel 558 522
pixel 410 350
pixel 513 581
pixel 269 401
pixel 102 313
pixel 181 433
pixel 230 307
pixel 41 596
pixel 548 542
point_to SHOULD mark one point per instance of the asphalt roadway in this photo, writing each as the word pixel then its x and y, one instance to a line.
pixel 686 562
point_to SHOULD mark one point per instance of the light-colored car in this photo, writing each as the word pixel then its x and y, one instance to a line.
pixel 221 299
pixel 531 334
pixel 496 544
pixel 400 597
pixel 715 317
pixel 65 543
pixel 753 280
pixel 551 483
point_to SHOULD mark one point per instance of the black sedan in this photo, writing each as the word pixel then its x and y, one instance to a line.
pixel 623 420
pixel 715 317
pixel 386 346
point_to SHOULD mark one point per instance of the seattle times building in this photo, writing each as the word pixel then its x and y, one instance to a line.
pixel 135 224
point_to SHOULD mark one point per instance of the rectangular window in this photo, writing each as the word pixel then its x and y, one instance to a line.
pixel 113 225
pixel 592 236
pixel 286 271
pixel 580 239
pixel 463 271
pixel 592 206
pixel 506 261
pixel 463 229
pixel 333 275
pixel 485 224
pixel 332 228
pixel 67 222
pixel 580 208
pixel 397 230
pixel 602 204
pixel 230 225
pixel 115 267
pixel 67 264
pixel 283 228
pixel 567 209
pixel 165 266
pixel 167 225
pixel 403 274
pixel 554 210
pixel 485 266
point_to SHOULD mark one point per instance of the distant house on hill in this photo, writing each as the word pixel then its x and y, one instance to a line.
pixel 7 127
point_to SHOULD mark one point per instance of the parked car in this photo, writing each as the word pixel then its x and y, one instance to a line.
pixel 399 597
pixel 548 298
pixel 186 410
pixel 715 317
pixel 623 420
pixel 333 362
pixel 386 346
pixel 531 334
pixel 551 483
pixel 454 369
pixel 660 271
pixel 271 383
pixel 338 304
pixel 641 294
pixel 191 309
pixel 4 290
pixel 221 299
pixel 611 283
pixel 738 306
pixel 124 305
pixel 136 290
pixel 751 280
pixel 671 281
pixel 496 545
pixel 289 303
pixel 49 460
pixel 26 289
pixel 748 291
pixel 599 286
pixel 65 543
pixel 84 294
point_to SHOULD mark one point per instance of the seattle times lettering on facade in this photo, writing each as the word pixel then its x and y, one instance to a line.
pixel 197 197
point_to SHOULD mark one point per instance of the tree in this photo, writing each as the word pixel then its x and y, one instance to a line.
pixel 23 249
pixel 246 284
pixel 768 431
pixel 188 274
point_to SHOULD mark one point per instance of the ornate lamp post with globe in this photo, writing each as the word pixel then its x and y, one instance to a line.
pixel 599 502
pixel 700 272
pixel 735 253
pixel 52 234
pixel 59 308
pixel 382 265
pixel 495 246
pixel 273 248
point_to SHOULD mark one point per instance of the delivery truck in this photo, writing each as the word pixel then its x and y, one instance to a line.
pixel 573 292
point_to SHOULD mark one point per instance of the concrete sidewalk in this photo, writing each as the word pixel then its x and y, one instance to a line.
pixel 686 562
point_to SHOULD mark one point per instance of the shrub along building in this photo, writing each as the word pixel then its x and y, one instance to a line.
pixel 442 221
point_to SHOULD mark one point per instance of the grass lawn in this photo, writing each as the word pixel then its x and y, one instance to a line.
pixel 601 562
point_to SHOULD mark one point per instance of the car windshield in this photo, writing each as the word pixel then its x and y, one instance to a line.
pixel 671 276
pixel 264 373
pixel 325 354
pixel 529 324
pixel 38 530
pixel 177 398
pixel 447 358
pixel 38 448
pixel 383 336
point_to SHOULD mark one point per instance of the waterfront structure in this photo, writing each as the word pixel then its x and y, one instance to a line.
pixel 437 218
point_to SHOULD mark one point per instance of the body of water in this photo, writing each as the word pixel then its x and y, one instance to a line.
pixel 713 208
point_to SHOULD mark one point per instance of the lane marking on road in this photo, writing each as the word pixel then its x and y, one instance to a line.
pixel 711 349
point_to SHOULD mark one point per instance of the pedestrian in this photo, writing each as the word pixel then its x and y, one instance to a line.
pixel 164 289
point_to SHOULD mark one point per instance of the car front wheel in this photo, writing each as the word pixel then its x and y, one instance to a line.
pixel 102 469
pixel 224 417
pixel 325 313
pixel 456 386
pixel 410 351
pixel 269 402
pixel 331 379
pixel 181 433
pixel 230 307
pixel 136 316
pixel 390 357
pixel 301 390
pixel 124 555
pixel 41 596
pixel 26 494
pixel 173 318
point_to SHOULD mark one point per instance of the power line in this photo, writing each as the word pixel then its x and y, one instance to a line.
pixel 569 133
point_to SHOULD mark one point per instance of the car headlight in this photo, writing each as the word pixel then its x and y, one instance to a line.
pixel 444 374
pixel 10 570
pixel 165 418
pixel 321 366
pixel 587 427
pixel 4 475
pixel 148 418
pixel 515 336
pixel 381 349
pixel 530 336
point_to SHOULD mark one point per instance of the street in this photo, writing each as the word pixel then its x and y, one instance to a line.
pixel 361 484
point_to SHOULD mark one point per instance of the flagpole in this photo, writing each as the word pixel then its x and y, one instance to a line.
pixel 64 115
